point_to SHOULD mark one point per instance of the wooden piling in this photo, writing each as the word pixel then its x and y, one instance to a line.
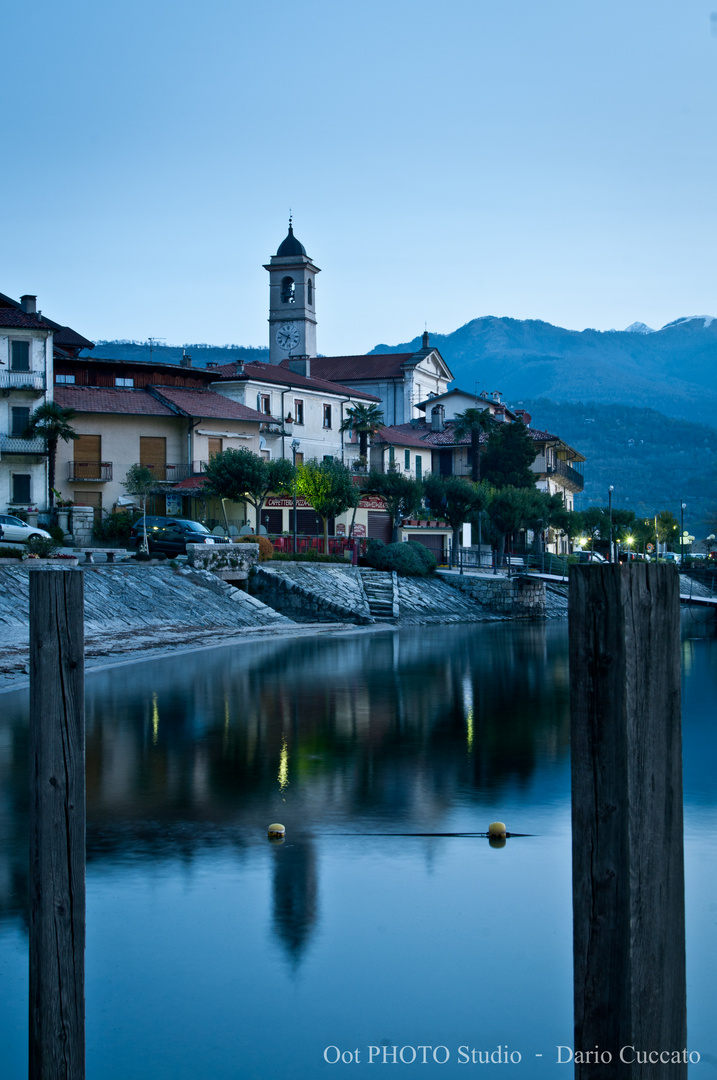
pixel 628 872
pixel 57 826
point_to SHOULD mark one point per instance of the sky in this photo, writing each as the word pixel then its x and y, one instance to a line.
pixel 548 160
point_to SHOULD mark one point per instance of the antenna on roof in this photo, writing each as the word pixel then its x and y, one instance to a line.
pixel 153 341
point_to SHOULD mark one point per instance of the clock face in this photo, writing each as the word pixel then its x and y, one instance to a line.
pixel 287 336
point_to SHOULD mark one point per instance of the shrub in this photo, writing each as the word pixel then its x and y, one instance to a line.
pixel 10 553
pixel 425 555
pixel 56 533
pixel 42 547
pixel 114 527
pixel 399 557
pixel 266 548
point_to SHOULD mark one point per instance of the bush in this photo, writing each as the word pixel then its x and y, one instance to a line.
pixel 10 553
pixel 266 548
pixel 399 557
pixel 42 547
pixel 425 555
pixel 56 533
pixel 311 556
pixel 114 527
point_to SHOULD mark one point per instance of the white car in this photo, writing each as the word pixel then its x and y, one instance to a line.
pixel 18 531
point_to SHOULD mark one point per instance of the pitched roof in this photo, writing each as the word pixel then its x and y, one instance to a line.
pixel 96 399
pixel 195 402
pixel 15 317
pixel 192 483
pixel 398 435
pixel 277 373
pixel 373 366
pixel 68 338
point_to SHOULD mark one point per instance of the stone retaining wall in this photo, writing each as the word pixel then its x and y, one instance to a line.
pixel 518 597
pixel 432 600
pixel 324 593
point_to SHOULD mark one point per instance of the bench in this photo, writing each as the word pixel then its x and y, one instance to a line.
pixel 90 552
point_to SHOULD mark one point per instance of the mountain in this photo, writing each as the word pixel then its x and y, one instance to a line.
pixel 673 370
pixel 171 354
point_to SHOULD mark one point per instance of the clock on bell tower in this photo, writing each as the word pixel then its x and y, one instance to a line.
pixel 292 301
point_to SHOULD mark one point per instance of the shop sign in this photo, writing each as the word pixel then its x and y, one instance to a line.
pixel 286 500
pixel 372 502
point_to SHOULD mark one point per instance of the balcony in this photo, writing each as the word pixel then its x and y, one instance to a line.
pixel 98 472
pixel 23 380
pixel 574 478
pixel 172 473
pixel 13 444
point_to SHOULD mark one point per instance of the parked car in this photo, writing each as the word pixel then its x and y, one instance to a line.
pixel 15 529
pixel 172 535
pixel 589 556
pixel 671 556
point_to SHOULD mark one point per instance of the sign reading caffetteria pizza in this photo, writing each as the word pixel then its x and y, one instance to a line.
pixel 286 500
pixel 372 502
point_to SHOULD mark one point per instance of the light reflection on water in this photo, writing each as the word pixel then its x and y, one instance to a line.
pixel 212 952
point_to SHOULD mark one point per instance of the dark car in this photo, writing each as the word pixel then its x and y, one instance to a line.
pixel 172 535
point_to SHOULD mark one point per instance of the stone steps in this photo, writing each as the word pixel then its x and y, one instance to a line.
pixel 378 587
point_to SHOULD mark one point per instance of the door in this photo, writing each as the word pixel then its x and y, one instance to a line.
pixel 153 454
pixel 446 462
pixel 87 455
pixel 380 526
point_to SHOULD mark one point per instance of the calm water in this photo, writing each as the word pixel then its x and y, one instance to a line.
pixel 213 953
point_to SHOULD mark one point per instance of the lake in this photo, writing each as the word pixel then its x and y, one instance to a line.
pixel 213 952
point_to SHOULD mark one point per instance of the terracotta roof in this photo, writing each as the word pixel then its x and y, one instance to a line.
pixel 14 317
pixel 277 373
pixel 398 435
pixel 192 483
pixel 373 366
pixel 69 338
pixel 195 402
pixel 95 399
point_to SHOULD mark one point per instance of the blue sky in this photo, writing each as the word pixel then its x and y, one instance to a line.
pixel 553 159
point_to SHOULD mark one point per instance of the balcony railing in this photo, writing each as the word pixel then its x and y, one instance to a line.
pixel 12 444
pixel 173 473
pixel 96 471
pixel 22 380
pixel 567 472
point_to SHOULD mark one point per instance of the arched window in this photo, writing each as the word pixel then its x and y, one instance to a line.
pixel 288 290
pixel 310 291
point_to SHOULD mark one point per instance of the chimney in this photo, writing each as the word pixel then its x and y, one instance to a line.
pixel 496 395
pixel 499 413
pixel 28 304
pixel 186 360
pixel 425 340
pixel 301 365
pixel 437 418
pixel 523 415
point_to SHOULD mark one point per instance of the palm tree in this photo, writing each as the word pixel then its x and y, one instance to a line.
pixel 50 422
pixel 364 420
pixel 473 422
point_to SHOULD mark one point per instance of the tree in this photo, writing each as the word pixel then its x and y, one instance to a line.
pixel 239 475
pixel 51 422
pixel 473 422
pixel 363 420
pixel 511 509
pixel 401 494
pixel 140 483
pixel 455 499
pixel 508 457
pixel 328 486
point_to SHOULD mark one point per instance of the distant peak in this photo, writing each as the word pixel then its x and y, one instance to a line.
pixel 706 319
pixel 639 328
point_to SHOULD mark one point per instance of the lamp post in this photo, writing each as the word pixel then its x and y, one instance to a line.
pixel 295 444
pixel 609 513
pixel 683 507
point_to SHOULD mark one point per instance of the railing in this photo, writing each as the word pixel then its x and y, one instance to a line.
pixel 568 472
pixel 12 444
pixel 22 380
pixel 173 473
pixel 337 544
pixel 96 471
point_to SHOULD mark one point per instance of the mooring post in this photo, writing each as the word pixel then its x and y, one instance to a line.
pixel 628 874
pixel 57 826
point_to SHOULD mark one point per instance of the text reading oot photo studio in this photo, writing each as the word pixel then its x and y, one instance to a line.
pixel 501 1055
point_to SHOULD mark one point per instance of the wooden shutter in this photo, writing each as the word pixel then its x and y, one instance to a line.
pixel 215 447
pixel 87 452
pixel 153 454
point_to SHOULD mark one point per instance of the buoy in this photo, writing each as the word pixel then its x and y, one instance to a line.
pixel 497 841
pixel 276 831
pixel 496 828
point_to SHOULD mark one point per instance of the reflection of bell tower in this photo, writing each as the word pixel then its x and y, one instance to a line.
pixel 295 895
pixel 292 301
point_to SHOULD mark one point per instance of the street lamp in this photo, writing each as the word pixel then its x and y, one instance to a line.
pixel 609 512
pixel 683 507
pixel 295 444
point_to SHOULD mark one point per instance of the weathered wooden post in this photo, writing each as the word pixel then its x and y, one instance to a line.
pixel 628 876
pixel 57 826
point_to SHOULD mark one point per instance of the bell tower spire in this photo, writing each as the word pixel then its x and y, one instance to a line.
pixel 292 300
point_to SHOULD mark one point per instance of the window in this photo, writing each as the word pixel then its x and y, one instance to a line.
pixel 21 488
pixel 124 382
pixel 20 356
pixel 391 457
pixel 299 458
pixel 288 290
pixel 66 379
pixel 327 416
pixel 20 420
pixel 407 460
pixel 263 403
pixel 328 457
pixel 419 467
pixel 214 446
pixel 310 291
pixel 298 411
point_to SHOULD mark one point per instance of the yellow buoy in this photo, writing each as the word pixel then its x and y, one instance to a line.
pixel 276 831
pixel 496 828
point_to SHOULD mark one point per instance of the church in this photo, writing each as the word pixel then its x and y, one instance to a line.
pixel 399 380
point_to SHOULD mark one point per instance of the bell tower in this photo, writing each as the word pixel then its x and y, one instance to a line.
pixel 292 301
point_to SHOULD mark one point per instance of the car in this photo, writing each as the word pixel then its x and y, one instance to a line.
pixel 18 531
pixel 589 556
pixel 172 535
pixel 671 556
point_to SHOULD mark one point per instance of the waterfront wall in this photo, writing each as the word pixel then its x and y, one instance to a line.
pixel 518 597
pixel 323 593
